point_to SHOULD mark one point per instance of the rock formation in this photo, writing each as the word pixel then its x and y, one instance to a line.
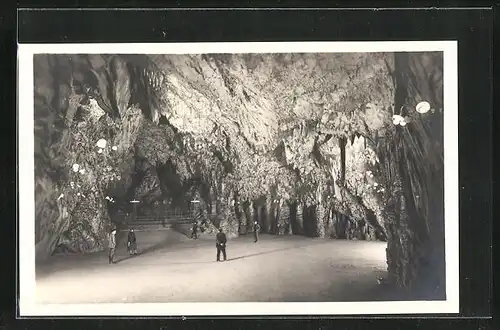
pixel 303 143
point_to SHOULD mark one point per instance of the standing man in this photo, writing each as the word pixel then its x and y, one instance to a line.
pixel 256 228
pixel 112 245
pixel 194 230
pixel 220 244
pixel 132 242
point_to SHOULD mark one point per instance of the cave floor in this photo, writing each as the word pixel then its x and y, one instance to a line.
pixel 173 268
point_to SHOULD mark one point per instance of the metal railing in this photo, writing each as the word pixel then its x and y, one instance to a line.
pixel 162 220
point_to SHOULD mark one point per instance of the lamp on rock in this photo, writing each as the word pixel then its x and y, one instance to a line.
pixel 423 107
pixel 101 143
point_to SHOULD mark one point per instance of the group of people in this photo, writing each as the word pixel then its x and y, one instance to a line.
pixel 220 241
pixel 131 244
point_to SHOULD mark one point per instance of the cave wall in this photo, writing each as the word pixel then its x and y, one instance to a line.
pixel 413 160
pixel 71 115
pixel 253 131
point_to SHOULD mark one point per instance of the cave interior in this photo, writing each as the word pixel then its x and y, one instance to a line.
pixel 339 146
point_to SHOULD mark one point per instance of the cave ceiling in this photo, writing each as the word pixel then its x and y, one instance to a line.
pixel 232 112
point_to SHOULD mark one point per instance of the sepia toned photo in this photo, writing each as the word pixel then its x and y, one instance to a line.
pixel 238 179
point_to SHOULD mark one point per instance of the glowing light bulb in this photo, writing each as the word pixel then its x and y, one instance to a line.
pixel 423 107
pixel 396 119
pixel 102 143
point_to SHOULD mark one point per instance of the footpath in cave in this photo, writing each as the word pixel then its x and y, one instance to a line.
pixel 174 268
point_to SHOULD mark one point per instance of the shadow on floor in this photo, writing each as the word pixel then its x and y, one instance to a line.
pixel 100 258
pixel 161 246
pixel 266 252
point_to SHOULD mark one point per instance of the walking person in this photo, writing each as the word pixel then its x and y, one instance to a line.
pixel 132 242
pixel 220 244
pixel 194 230
pixel 112 245
pixel 256 228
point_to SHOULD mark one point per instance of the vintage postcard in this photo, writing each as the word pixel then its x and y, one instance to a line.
pixel 302 178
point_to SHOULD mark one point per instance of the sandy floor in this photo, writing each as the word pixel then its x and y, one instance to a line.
pixel 173 268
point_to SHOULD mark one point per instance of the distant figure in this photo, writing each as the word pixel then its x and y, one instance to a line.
pixel 256 228
pixel 132 243
pixel 203 225
pixel 112 245
pixel 194 230
pixel 220 244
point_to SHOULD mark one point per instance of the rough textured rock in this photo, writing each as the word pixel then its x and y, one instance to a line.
pixel 414 218
pixel 296 128
pixel 285 217
pixel 70 208
pixel 321 218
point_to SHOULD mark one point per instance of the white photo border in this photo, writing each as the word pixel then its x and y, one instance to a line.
pixel 26 225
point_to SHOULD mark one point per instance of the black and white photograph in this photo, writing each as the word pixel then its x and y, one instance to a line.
pixel 280 178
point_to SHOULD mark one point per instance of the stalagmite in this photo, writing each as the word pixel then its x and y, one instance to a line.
pixel 321 219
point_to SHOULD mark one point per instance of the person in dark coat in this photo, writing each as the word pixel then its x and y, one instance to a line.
pixel 256 228
pixel 203 225
pixel 112 245
pixel 194 230
pixel 220 244
pixel 132 242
